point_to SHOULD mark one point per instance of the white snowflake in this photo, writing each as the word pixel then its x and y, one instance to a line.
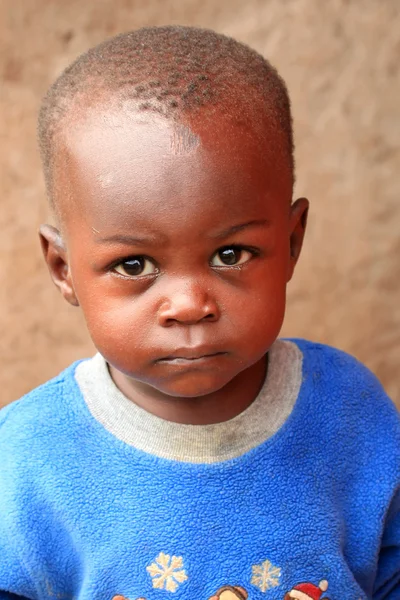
pixel 167 572
pixel 265 575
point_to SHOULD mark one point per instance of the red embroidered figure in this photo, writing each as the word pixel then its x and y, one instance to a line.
pixel 307 591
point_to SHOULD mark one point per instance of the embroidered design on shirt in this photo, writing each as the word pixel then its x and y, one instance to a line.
pixel 230 592
pixel 167 572
pixel 265 575
pixel 227 592
pixel 307 591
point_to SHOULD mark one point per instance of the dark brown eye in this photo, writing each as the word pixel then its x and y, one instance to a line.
pixel 137 266
pixel 230 257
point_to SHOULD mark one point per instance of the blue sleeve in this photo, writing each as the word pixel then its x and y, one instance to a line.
pixel 14 581
pixel 7 596
pixel 387 582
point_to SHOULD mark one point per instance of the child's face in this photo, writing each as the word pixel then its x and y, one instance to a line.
pixel 179 243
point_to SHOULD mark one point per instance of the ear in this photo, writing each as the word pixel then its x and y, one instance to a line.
pixel 55 255
pixel 298 222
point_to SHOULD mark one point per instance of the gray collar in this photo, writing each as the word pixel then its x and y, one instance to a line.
pixel 195 443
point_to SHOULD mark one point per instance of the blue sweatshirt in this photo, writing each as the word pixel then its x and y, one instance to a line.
pixel 296 498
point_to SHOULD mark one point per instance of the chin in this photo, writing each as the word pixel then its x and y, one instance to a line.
pixel 193 386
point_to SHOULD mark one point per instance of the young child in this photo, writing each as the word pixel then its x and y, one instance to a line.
pixel 196 456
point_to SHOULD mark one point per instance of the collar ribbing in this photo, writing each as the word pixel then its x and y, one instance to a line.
pixel 195 443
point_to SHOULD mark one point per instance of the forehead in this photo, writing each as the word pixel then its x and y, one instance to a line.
pixel 115 164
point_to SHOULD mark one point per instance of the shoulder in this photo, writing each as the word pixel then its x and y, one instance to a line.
pixel 349 399
pixel 26 422
pixel 337 370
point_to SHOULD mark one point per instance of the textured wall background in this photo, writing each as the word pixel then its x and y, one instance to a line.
pixel 341 62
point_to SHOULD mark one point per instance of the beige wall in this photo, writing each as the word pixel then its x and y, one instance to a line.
pixel 341 62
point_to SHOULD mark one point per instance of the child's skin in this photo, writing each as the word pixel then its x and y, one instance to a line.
pixel 187 337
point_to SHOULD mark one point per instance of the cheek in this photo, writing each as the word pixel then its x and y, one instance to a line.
pixel 115 323
pixel 120 336
pixel 263 314
pixel 257 314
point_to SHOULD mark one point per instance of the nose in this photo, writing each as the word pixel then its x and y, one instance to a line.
pixel 188 303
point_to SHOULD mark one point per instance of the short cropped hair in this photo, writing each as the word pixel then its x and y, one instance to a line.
pixel 170 70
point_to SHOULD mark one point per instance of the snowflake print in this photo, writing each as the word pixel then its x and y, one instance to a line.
pixel 265 575
pixel 167 572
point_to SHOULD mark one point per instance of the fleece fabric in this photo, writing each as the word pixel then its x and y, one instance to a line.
pixel 308 510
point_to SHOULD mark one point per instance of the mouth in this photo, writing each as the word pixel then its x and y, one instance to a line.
pixel 187 356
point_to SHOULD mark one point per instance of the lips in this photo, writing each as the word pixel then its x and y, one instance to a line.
pixel 191 354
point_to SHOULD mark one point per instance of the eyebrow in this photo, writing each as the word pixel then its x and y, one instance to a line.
pixel 129 240
pixel 235 228
pixel 137 240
